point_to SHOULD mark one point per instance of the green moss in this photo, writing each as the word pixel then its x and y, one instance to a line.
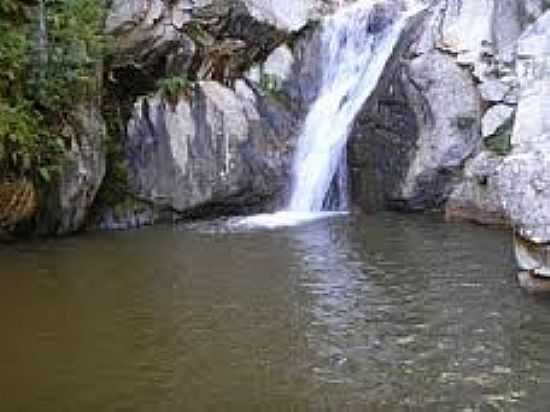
pixel 172 88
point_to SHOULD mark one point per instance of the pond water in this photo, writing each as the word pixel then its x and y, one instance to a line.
pixel 351 313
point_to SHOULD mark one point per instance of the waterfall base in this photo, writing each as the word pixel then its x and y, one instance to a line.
pixel 285 218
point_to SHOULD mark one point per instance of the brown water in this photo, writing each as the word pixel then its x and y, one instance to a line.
pixel 381 313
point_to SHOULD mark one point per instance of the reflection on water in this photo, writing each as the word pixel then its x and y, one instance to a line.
pixel 381 313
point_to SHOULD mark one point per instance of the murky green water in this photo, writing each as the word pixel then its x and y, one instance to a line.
pixel 381 313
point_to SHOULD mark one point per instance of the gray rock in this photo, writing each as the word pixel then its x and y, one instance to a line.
pixel 495 119
pixel 477 198
pixel 448 116
pixel 67 206
pixel 523 176
pixel 533 258
pixel 494 91
pixel 279 64
pixel 128 215
pixel 214 150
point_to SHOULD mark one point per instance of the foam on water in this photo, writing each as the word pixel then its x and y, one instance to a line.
pixel 285 218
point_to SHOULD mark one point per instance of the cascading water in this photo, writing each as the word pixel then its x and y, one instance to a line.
pixel 357 42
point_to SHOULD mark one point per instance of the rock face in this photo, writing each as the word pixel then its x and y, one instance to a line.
pixel 209 150
pixel 68 204
pixel 524 177
pixel 207 39
pixel 439 112
pixel 445 103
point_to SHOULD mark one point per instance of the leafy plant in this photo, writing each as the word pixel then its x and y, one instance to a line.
pixel 50 51
pixel 173 87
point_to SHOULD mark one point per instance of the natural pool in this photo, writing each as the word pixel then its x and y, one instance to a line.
pixel 352 313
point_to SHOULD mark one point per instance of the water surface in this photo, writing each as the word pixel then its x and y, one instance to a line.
pixel 350 313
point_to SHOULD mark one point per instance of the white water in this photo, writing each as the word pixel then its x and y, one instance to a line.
pixel 354 54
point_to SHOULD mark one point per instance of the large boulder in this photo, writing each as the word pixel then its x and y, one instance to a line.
pixel 213 148
pixel 447 108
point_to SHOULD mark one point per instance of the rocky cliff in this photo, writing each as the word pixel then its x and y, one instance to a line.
pixel 461 124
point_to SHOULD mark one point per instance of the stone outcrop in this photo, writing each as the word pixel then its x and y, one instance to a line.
pixel 210 150
pixel 67 205
pixel 209 39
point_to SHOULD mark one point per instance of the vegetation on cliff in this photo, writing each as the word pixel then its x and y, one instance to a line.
pixel 50 54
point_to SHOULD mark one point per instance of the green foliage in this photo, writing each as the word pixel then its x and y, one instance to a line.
pixel 174 87
pixel 500 142
pixel 26 146
pixel 270 83
pixel 272 87
pixel 76 45
pixel 50 58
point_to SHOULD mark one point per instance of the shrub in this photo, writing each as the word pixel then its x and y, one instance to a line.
pixel 173 87
pixel 49 56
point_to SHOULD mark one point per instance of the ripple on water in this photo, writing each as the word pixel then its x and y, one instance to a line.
pixel 382 312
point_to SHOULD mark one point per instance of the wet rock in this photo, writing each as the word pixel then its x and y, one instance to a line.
pixel 127 215
pixel 532 257
pixel 533 283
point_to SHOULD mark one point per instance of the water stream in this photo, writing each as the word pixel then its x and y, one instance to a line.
pixel 356 43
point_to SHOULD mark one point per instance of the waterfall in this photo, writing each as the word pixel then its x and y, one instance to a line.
pixel 356 43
